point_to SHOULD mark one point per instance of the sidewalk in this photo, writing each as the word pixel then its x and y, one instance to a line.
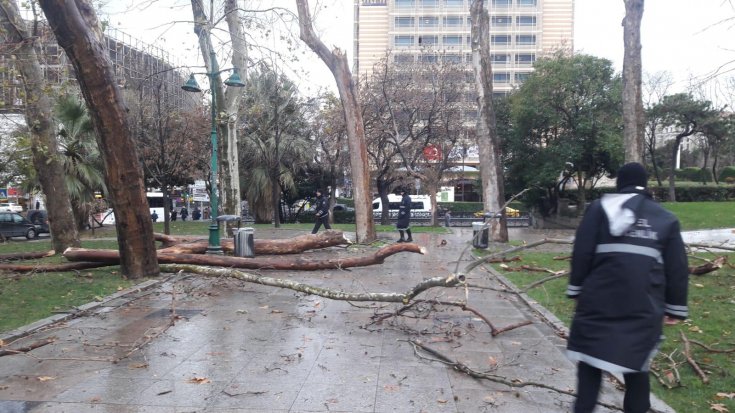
pixel 237 347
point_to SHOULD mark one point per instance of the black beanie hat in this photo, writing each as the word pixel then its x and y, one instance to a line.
pixel 632 174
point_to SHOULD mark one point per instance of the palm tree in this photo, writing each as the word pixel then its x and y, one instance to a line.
pixel 274 144
pixel 82 162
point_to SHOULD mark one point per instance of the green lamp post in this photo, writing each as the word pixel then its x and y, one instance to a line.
pixel 191 85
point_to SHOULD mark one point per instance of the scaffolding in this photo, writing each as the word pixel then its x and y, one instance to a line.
pixel 140 68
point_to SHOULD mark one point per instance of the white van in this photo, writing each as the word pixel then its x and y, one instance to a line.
pixel 420 205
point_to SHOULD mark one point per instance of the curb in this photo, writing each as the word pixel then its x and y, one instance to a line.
pixel 35 326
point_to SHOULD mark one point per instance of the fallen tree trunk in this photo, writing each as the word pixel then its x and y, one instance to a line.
pixel 295 245
pixel 19 256
pixel 708 267
pixel 67 266
pixel 405 298
pixel 270 263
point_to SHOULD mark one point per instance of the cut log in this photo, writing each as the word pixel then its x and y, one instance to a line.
pixel 67 266
pixel 171 240
pixel 19 256
pixel 295 245
pixel 269 263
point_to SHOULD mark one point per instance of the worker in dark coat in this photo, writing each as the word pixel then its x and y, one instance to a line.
pixel 321 212
pixel 629 270
pixel 404 217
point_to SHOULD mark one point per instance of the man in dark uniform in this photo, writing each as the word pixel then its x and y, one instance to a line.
pixel 322 212
pixel 629 269
pixel 404 217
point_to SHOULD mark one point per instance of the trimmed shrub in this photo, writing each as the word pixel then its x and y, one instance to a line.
pixel 694 174
pixel 728 174
pixel 459 207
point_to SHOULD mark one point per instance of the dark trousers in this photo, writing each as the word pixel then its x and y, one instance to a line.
pixel 637 390
pixel 319 221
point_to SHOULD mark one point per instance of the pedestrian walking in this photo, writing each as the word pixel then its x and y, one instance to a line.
pixel 629 270
pixel 173 214
pixel 184 213
pixel 404 217
pixel 154 216
pixel 196 214
pixel 322 212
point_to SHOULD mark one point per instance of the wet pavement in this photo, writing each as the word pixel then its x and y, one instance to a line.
pixel 194 344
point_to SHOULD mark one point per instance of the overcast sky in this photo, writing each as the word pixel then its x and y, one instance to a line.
pixel 685 37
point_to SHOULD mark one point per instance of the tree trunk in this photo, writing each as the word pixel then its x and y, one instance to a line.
pixel 491 170
pixel 383 194
pixel 295 245
pixel 38 117
pixel 275 195
pixel 227 101
pixel 78 31
pixel 269 263
pixel 336 60
pixel 633 120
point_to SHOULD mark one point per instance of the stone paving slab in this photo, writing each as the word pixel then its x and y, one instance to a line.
pixel 237 347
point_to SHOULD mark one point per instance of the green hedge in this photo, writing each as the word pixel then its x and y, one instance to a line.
pixel 694 174
pixel 727 174
pixel 456 207
pixel 683 193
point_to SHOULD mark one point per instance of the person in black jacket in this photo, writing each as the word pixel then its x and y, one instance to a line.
pixel 404 217
pixel 322 212
pixel 629 270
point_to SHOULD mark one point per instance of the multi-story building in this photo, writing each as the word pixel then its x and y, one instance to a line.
pixel 439 30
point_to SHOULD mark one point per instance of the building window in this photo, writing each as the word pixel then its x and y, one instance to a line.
pixel 428 58
pixel 452 40
pixel 428 40
pixel 500 95
pixel 404 22
pixel 526 20
pixel 526 39
pixel 429 3
pixel 403 41
pixel 527 3
pixel 454 3
pixel 452 58
pixel 403 58
pixel 525 58
pixel 500 21
pixel 453 21
pixel 501 77
pixel 429 21
pixel 522 76
pixel 501 59
pixel 500 40
pixel 404 3
pixel 502 3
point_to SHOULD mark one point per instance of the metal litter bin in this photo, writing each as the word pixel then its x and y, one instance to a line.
pixel 245 242
pixel 479 235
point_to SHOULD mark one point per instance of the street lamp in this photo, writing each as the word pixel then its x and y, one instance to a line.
pixel 191 85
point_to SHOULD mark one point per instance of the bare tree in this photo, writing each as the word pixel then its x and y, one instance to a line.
pixel 633 116
pixel 38 114
pixel 655 87
pixel 227 101
pixel 336 61
pixel 78 31
pixel 488 141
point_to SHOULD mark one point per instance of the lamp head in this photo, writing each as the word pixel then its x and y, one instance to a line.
pixel 234 79
pixel 191 85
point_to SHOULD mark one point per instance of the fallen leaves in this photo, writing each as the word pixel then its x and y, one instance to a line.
pixel 46 378
pixel 199 380
pixel 725 396
pixel 718 407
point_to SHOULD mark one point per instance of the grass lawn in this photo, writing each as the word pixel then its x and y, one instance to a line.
pixel 698 215
pixel 712 322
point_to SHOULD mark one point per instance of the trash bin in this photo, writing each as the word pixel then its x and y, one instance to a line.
pixel 245 242
pixel 479 235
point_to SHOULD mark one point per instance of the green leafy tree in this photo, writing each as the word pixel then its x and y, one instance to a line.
pixel 688 116
pixel 275 145
pixel 566 120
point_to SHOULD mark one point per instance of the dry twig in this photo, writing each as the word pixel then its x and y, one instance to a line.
pixel 690 359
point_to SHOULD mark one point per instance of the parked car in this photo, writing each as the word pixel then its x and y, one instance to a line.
pixel 39 218
pixel 13 224
pixel 10 206
pixel 343 207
